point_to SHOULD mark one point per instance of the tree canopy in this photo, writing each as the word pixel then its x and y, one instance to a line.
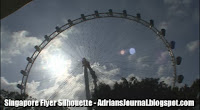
pixel 131 89
pixel 148 88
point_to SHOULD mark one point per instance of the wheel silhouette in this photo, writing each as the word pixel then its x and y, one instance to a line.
pixel 86 53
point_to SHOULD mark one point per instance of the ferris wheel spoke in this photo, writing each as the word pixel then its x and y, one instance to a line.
pixel 69 44
pixel 63 83
pixel 95 49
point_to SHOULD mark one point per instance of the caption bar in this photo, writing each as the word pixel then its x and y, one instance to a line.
pixel 100 102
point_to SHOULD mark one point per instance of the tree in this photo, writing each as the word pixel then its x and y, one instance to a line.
pixel 148 88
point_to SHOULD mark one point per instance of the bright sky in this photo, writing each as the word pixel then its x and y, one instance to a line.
pixel 114 47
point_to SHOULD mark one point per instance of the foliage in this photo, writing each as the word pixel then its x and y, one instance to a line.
pixel 148 88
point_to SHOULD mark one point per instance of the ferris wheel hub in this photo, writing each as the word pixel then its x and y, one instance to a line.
pixel 85 63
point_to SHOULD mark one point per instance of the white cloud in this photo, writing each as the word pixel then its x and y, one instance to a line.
pixel 105 75
pixel 161 70
pixel 133 75
pixel 12 86
pixel 132 57
pixel 178 7
pixel 141 59
pixel 162 58
pixel 164 63
pixel 67 85
pixel 140 62
pixel 192 46
pixel 19 44
pixel 16 43
pixel 163 25
pixel 168 80
pixel 9 86
pixel 73 85
pixel 178 2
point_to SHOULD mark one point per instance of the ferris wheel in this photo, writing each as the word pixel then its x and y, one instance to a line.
pixel 85 58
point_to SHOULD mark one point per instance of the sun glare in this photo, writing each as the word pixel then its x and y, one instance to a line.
pixel 122 52
pixel 57 64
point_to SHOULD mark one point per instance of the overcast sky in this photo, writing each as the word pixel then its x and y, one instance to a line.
pixel 104 42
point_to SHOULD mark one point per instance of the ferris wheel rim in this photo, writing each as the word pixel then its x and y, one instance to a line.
pixel 89 17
